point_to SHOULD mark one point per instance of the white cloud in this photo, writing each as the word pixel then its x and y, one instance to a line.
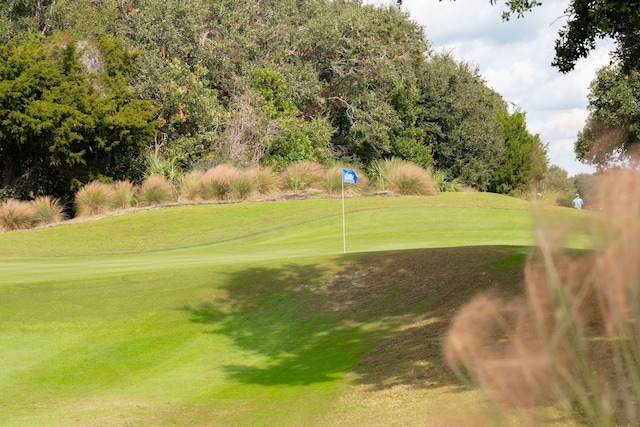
pixel 514 58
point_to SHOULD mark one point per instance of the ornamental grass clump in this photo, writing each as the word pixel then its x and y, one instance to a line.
pixel 264 178
pixel 190 186
pixel 16 215
pixel 47 210
pixel 442 181
pixel 155 190
pixel 404 178
pixel 216 182
pixel 242 185
pixel 302 176
pixel 124 194
pixel 572 340
pixel 333 181
pixel 95 198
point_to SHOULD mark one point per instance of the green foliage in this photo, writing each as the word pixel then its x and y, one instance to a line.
pixel 460 117
pixel 61 124
pixel 245 83
pixel 558 183
pixel 442 181
pixel 519 163
pixel 298 140
pixel 612 130
pixel 274 91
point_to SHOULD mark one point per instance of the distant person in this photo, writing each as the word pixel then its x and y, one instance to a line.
pixel 577 202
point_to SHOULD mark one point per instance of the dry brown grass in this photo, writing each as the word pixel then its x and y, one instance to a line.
pixel 302 176
pixel 216 182
pixel 333 181
pixel 155 190
pixel 47 210
pixel 95 198
pixel 16 215
pixel 190 187
pixel 264 178
pixel 404 178
pixel 573 338
pixel 124 194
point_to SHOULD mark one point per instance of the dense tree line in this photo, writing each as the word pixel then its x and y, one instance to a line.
pixel 200 82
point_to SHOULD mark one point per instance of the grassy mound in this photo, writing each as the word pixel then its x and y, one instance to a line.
pixel 249 314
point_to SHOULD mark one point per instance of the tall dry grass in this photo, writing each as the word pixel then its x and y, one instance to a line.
pixel 190 186
pixel 264 178
pixel 216 182
pixel 124 194
pixel 16 215
pixel 572 340
pixel 47 210
pixel 333 181
pixel 302 176
pixel 404 178
pixel 155 190
pixel 95 198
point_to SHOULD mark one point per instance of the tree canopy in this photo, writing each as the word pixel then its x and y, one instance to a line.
pixel 241 82
pixel 61 121
pixel 612 132
pixel 588 21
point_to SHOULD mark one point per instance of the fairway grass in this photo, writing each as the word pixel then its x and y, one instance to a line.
pixel 250 314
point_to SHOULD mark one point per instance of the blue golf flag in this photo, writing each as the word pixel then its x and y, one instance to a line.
pixel 349 176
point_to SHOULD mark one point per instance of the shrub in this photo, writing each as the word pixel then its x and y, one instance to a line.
pixel 442 181
pixel 241 185
pixel 216 182
pixel 303 175
pixel 155 190
pixel 333 181
pixel 47 210
pixel 265 180
pixel 404 178
pixel 15 215
pixel 190 187
pixel 124 194
pixel 572 339
pixel 95 198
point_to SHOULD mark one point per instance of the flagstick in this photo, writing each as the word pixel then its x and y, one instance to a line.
pixel 344 232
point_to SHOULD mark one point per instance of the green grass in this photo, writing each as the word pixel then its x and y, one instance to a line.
pixel 242 314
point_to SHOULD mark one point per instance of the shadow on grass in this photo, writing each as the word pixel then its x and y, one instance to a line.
pixel 381 317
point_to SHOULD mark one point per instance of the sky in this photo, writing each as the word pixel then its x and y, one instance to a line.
pixel 514 58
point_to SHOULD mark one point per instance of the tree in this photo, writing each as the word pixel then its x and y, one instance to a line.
pixel 459 114
pixel 61 124
pixel 367 60
pixel 587 21
pixel 612 131
pixel 558 186
pixel 524 159
pixel 294 138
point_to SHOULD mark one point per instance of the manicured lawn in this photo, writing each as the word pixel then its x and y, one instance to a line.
pixel 248 314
